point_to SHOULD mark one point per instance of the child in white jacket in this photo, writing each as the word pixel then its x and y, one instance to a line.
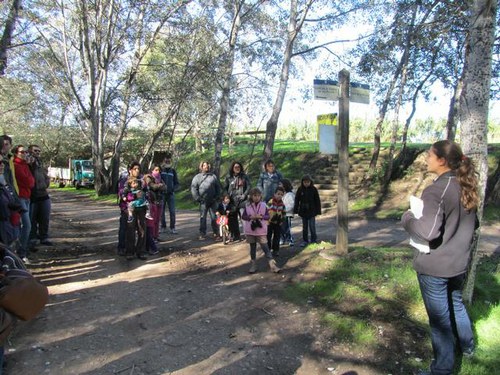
pixel 289 201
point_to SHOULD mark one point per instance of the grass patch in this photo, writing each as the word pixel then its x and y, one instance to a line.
pixel 491 213
pixel 372 288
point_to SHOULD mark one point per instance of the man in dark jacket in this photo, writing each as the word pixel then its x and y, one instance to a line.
pixel 205 189
pixel 169 177
pixel 40 200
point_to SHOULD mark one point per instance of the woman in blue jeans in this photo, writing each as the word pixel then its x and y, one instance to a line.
pixel 447 224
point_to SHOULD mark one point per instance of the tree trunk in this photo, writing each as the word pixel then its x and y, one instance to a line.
pixel 294 27
pixel 226 89
pixel 8 30
pixel 451 123
pixel 474 106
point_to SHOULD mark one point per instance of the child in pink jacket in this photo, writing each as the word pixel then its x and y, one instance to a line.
pixel 255 216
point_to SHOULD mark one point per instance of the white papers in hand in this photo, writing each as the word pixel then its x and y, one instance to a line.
pixel 416 207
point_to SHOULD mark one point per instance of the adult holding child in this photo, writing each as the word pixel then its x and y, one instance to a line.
pixel 447 223
pixel 237 185
pixel 206 190
pixel 135 229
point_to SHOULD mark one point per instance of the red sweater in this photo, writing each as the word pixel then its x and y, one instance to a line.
pixel 24 178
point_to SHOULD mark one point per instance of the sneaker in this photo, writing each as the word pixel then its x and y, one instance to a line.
pixel 130 257
pixel 142 257
pixel 304 244
pixel 121 252
pixel 163 229
pixel 173 231
pixel 291 244
pixel 46 243
pixel 253 266
pixel 153 252
pixel 273 266
pixel 202 237
pixel 468 354
pixel 282 242
pixel 25 260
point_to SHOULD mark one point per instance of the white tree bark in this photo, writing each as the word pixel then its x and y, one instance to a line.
pixel 475 103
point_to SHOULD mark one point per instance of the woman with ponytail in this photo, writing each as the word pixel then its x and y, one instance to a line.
pixel 447 223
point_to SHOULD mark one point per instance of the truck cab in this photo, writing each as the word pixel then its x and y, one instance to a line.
pixel 82 172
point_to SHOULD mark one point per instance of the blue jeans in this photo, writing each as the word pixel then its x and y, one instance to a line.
pixel 168 200
pixel 211 209
pixel 1 359
pixel 122 232
pixel 40 217
pixel 309 223
pixel 135 239
pixel 25 228
pixel 447 318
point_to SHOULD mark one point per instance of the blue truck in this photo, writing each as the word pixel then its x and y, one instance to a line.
pixel 82 173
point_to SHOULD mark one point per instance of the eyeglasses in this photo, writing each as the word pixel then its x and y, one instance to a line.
pixel 37 150
pixel 21 152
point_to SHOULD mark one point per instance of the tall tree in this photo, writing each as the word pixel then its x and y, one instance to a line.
pixel 295 22
pixel 474 104
pixel 6 40
pixel 99 47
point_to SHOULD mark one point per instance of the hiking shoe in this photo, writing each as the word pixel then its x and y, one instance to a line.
pixel 469 354
pixel 173 231
pixel 253 266
pixel 273 266
pixel 46 243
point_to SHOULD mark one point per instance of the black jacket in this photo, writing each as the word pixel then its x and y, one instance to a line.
pixel 307 202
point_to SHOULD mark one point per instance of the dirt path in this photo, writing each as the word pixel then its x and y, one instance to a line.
pixel 193 309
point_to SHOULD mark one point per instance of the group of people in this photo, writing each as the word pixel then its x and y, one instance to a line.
pixel 143 200
pixel 265 211
pixel 25 202
pixel 24 213
pixel 447 224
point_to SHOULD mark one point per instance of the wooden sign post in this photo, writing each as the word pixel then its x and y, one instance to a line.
pixel 343 187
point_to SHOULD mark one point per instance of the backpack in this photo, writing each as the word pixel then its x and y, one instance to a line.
pixel 20 293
